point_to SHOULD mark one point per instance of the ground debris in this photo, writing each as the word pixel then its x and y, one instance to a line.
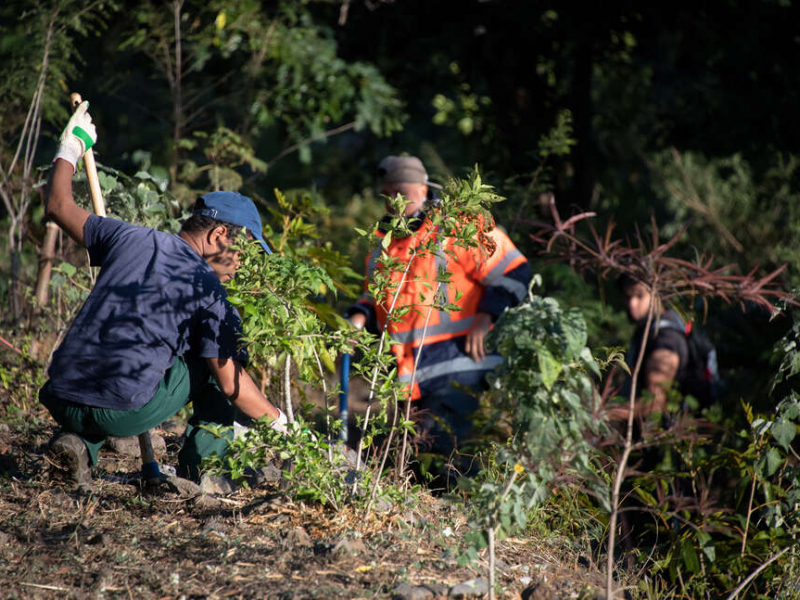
pixel 297 537
pixel 175 541
pixel 348 547
pixel 539 591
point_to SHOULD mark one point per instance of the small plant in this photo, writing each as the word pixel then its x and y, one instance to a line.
pixel 546 387
pixel 315 469
pixel 20 381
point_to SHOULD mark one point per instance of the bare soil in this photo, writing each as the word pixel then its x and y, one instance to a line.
pixel 120 540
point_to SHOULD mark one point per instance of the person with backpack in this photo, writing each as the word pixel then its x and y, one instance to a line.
pixel 676 355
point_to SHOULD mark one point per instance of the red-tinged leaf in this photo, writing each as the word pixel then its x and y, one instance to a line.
pixel 576 218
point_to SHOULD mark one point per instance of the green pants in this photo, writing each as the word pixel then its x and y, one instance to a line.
pixel 188 380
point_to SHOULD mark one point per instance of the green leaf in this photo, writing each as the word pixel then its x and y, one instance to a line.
pixel 575 330
pixel 68 269
pixel 107 182
pixel 590 362
pixel 326 359
pixel 550 368
pixel 774 461
pixel 690 558
pixel 707 545
pixel 791 410
pixel 783 432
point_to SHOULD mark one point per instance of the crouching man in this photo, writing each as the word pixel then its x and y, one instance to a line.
pixel 666 355
pixel 156 332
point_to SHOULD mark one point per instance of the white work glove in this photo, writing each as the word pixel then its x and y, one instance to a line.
pixel 239 430
pixel 279 424
pixel 78 136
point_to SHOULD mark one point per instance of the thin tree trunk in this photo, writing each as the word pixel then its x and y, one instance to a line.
pixel 491 563
pixel 46 264
pixel 287 387
pixel 627 448
pixel 177 95
pixel 28 141
pixel 402 458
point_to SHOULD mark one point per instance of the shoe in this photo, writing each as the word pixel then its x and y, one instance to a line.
pixel 69 452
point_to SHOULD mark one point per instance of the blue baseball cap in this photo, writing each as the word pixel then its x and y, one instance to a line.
pixel 233 208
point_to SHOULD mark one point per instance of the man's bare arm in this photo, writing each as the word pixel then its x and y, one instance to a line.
pixel 659 373
pixel 242 391
pixel 60 205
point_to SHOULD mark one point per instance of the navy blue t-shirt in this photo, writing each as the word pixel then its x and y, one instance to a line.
pixel 155 299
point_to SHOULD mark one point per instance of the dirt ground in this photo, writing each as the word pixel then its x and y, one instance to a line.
pixel 122 541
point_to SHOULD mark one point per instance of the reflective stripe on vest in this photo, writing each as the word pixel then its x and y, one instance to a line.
pixel 371 262
pixel 448 367
pixel 444 326
pixel 495 277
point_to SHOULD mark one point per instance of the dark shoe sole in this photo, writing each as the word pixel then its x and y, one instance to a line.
pixel 70 454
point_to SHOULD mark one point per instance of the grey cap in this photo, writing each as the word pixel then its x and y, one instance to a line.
pixel 404 169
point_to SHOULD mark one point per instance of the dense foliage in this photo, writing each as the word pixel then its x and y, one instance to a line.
pixel 668 121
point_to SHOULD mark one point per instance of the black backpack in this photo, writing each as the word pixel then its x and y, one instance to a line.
pixel 701 376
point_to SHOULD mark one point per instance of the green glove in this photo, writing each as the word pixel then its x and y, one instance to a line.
pixel 78 136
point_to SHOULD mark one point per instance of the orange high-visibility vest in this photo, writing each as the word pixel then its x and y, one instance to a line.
pixel 426 335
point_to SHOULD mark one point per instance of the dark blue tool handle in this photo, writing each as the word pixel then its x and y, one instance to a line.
pixel 345 388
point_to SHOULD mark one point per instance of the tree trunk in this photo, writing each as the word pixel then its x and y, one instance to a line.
pixel 46 265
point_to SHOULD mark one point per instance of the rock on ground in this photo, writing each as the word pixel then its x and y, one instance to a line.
pixel 183 487
pixel 268 474
pixel 217 485
pixel 538 591
pixel 129 446
pixel 298 537
pixel 406 591
pixel 470 589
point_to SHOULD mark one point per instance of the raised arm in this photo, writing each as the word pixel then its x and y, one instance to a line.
pixel 60 205
pixel 659 373
pixel 78 136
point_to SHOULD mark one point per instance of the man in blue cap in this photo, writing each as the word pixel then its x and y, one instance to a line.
pixel 156 332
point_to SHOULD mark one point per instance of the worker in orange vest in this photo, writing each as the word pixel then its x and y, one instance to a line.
pixel 436 348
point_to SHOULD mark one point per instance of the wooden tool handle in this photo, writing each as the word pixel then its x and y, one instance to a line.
pixel 150 471
pixel 91 170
